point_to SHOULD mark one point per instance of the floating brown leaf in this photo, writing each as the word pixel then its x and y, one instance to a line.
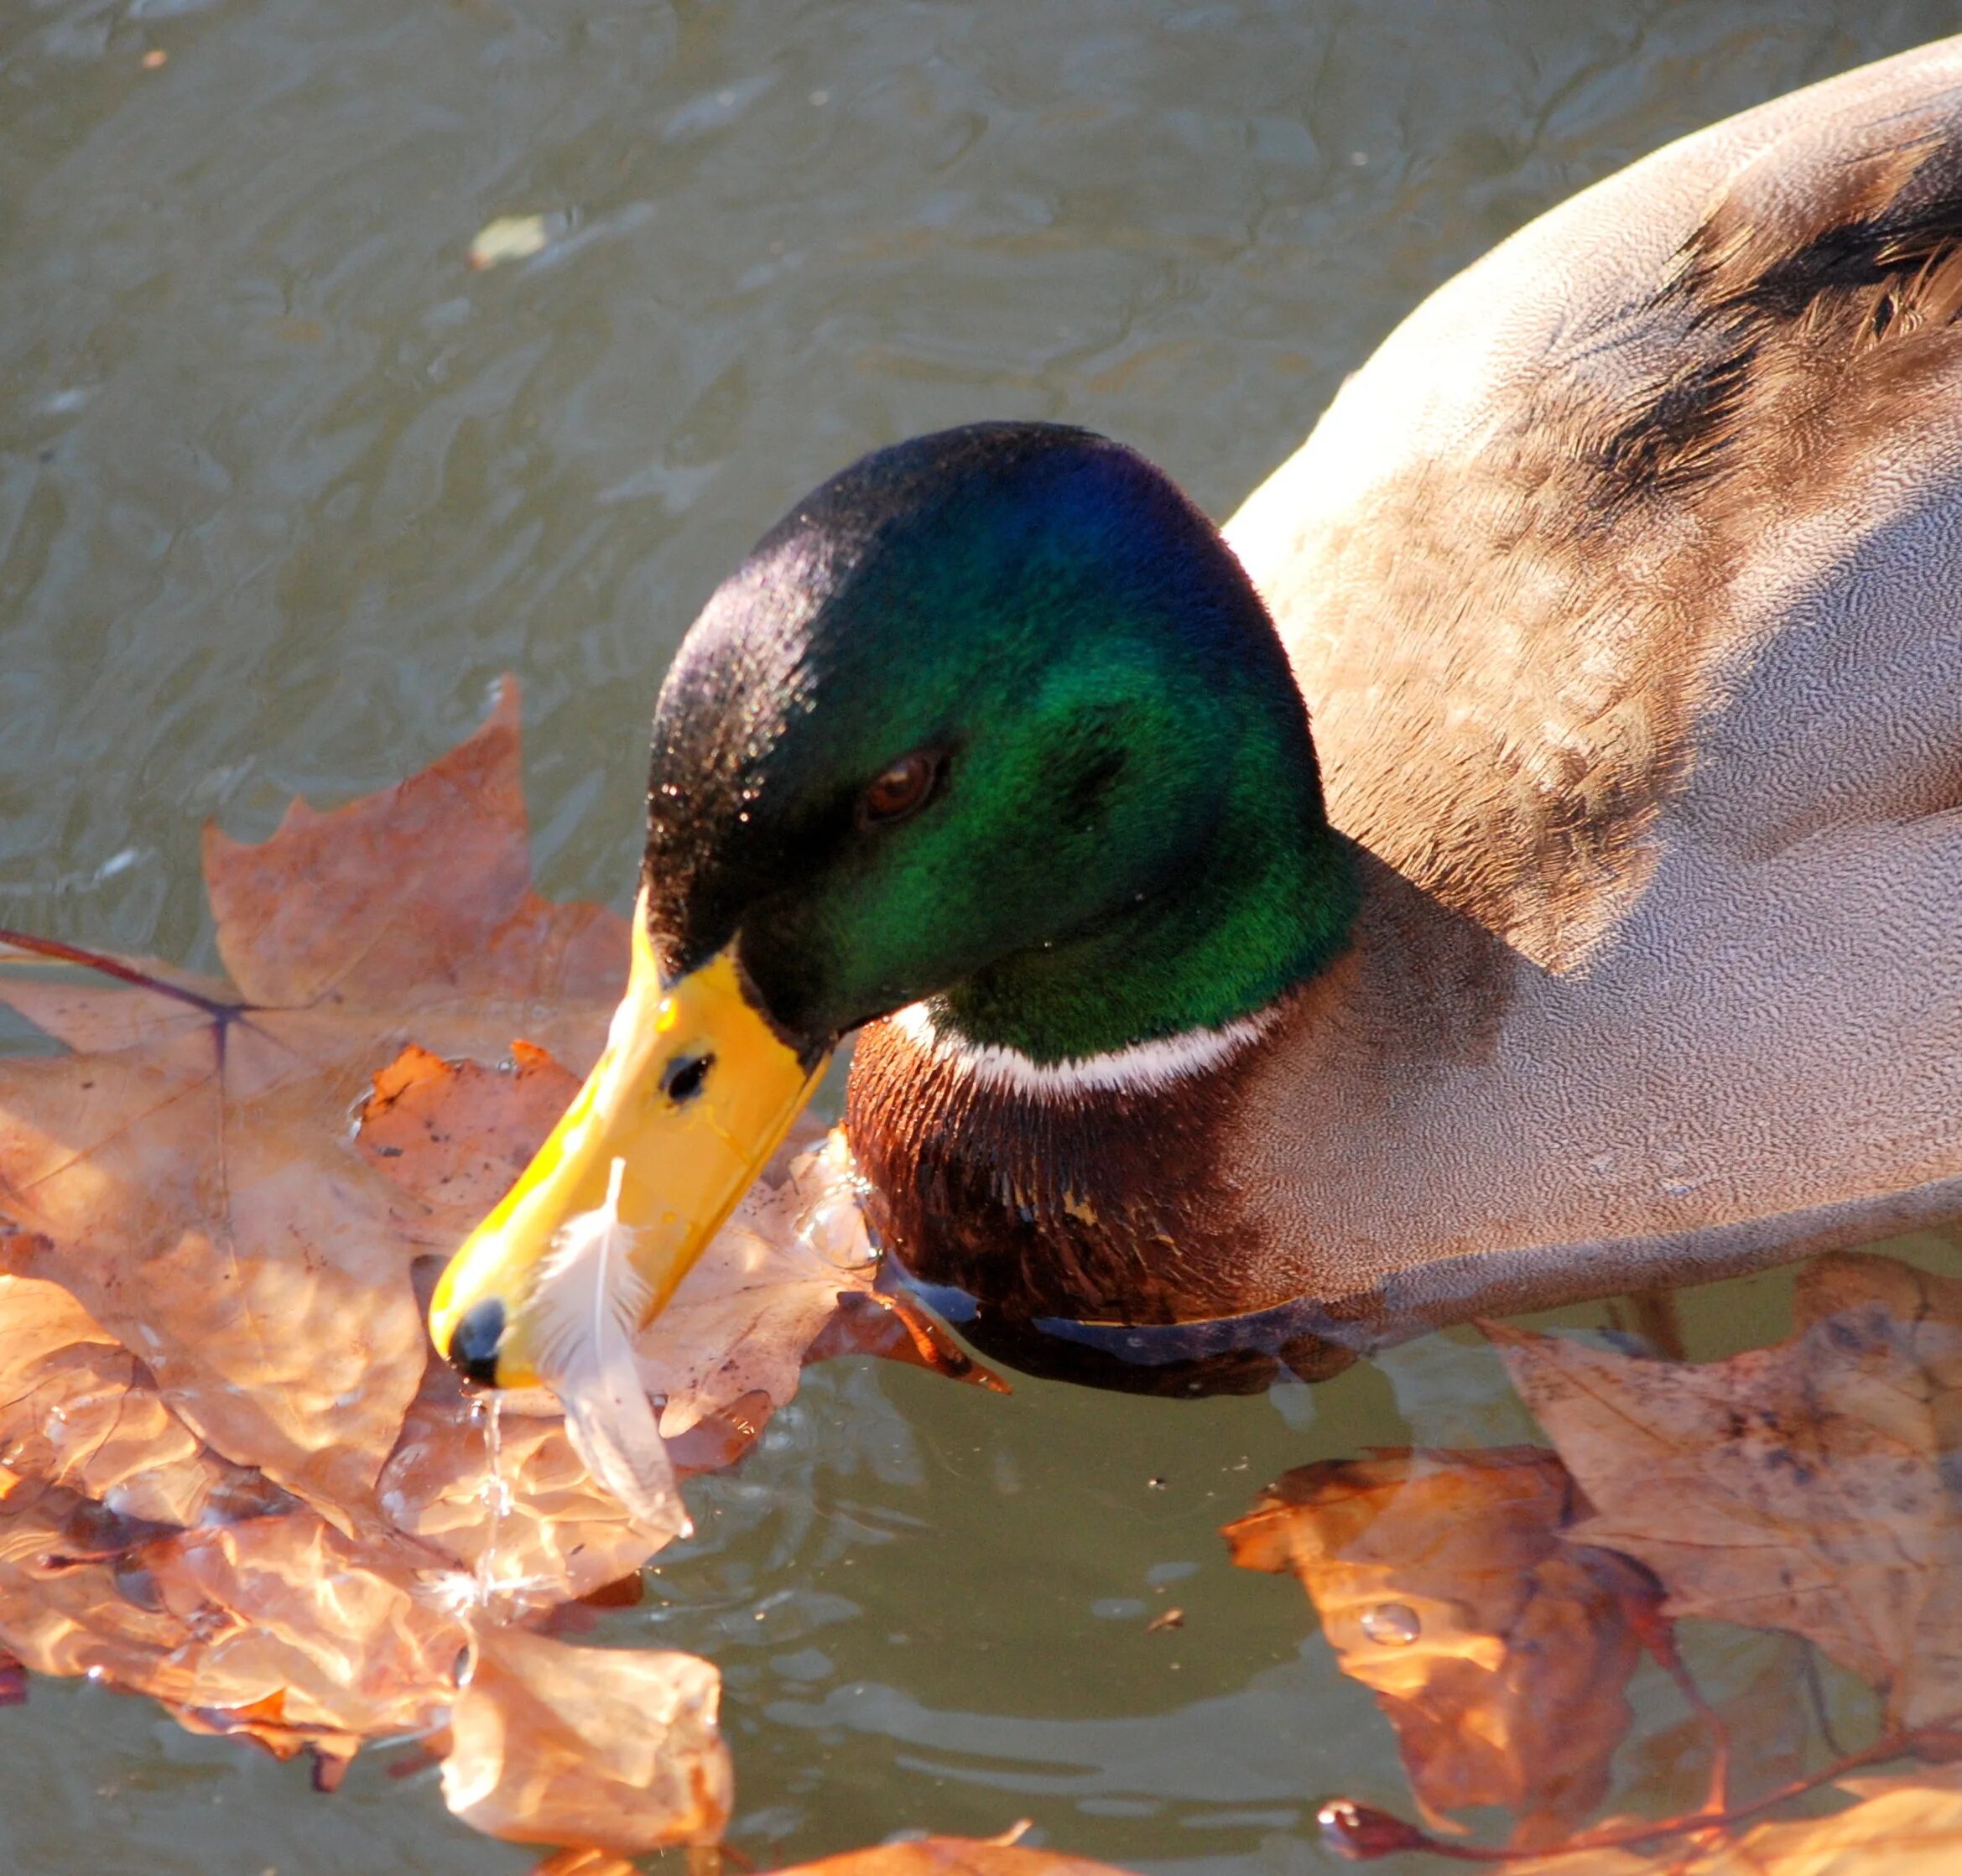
pixel 67 1603
pixel 187 1175
pixel 343 1637
pixel 1498 1652
pixel 1807 1487
pixel 610 1747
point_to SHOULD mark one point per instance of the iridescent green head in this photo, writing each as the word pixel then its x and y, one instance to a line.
pixel 993 719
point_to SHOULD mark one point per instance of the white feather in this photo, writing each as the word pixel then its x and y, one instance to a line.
pixel 590 1301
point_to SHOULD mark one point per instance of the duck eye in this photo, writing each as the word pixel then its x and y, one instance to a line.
pixel 898 789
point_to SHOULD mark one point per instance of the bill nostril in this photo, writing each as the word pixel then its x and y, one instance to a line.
pixel 684 1078
pixel 473 1348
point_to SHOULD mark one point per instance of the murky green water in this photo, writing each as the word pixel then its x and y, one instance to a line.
pixel 283 485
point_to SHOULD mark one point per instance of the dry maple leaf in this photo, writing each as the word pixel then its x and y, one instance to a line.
pixel 1498 1652
pixel 1809 1487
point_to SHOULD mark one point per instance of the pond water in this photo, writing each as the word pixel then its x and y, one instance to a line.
pixel 285 484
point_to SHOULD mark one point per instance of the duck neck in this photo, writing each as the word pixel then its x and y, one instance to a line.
pixel 1262 903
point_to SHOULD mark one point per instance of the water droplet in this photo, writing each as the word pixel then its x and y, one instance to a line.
pixel 1391 1624
pixel 496 1493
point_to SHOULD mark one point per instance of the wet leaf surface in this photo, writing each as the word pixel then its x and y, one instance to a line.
pixel 1498 1652
pixel 186 1172
pixel 1810 1487
pixel 232 1477
pixel 612 1747
pixel 792 1271
pixel 1899 1827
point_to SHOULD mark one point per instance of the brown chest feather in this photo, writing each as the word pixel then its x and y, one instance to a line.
pixel 1097 1206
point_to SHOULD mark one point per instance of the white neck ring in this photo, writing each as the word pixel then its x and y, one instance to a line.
pixel 1142 1068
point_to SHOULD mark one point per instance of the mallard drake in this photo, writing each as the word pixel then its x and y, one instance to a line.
pixel 1605 931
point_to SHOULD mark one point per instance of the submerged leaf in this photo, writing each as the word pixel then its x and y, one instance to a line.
pixel 342 1636
pixel 538 1531
pixel 78 1409
pixel 1765 1725
pixel 1809 1486
pixel 1498 1652
pixel 1908 1825
pixel 742 1320
pixel 68 1605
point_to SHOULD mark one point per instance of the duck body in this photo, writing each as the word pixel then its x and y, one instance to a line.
pixel 1624 587
pixel 1521 860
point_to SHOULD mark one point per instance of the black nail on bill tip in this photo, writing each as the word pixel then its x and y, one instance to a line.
pixel 473 1348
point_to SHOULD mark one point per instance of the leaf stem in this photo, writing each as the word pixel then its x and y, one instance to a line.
pixel 114 967
pixel 1361 1832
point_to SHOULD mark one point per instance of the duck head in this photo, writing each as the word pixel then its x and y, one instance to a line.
pixel 992 723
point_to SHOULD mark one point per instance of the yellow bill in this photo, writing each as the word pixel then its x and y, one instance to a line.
pixel 693 1094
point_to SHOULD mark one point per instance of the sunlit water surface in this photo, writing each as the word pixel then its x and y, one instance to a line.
pixel 285 486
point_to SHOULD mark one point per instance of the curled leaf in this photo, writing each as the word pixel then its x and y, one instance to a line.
pixel 610 1747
